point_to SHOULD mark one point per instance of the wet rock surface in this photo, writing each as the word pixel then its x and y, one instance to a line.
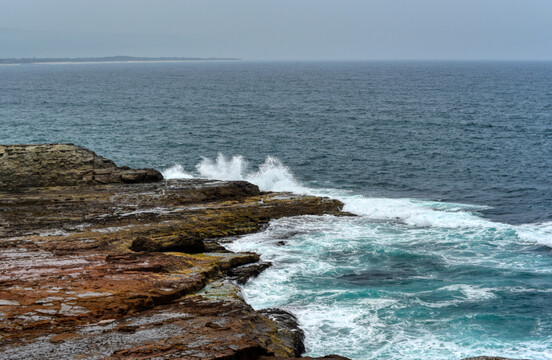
pixel 134 270
pixel 242 274
pixel 288 325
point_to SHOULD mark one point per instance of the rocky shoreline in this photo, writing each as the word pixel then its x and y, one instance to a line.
pixel 106 262
pixel 99 261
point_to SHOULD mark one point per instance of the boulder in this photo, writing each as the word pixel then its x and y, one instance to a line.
pixel 242 274
pixel 182 243
pixel 289 331
pixel 144 243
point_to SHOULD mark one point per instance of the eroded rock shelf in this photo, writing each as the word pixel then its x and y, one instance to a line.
pixel 103 262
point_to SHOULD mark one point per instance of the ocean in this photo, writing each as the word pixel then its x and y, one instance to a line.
pixel 447 165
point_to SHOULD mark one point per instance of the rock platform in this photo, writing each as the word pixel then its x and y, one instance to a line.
pixel 103 262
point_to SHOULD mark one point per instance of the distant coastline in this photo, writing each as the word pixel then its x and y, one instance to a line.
pixel 107 59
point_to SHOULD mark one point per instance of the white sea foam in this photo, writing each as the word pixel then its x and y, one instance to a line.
pixel 380 325
pixel 353 325
pixel 538 233
pixel 273 175
pixel 472 293
pixel 412 212
pixel 176 172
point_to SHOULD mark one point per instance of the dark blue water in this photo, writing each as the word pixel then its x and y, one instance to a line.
pixel 478 133
pixel 447 165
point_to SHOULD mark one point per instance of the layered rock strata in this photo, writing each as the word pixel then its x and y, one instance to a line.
pixel 116 269
pixel 23 166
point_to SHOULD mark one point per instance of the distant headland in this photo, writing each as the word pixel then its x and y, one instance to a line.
pixel 107 59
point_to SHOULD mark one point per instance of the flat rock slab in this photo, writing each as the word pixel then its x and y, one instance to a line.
pixel 193 328
pixel 47 294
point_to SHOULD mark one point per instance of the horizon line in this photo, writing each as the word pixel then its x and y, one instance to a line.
pixel 154 58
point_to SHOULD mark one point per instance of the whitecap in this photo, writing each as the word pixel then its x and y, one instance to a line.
pixel 176 172
pixel 536 233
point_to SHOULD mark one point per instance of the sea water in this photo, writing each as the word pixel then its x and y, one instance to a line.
pixel 447 167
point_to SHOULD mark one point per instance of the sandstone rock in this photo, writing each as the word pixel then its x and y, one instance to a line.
pixel 186 244
pixel 144 243
pixel 243 273
pixel 290 333
pixel 85 272
pixel 24 166
pixel 182 243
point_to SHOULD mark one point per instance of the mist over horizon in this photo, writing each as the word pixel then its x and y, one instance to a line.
pixel 286 30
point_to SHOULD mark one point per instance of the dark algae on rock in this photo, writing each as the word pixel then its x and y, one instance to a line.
pixel 106 262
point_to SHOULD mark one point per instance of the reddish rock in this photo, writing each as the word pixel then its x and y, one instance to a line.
pixel 110 271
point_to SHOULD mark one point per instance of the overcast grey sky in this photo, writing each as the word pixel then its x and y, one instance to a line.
pixel 279 29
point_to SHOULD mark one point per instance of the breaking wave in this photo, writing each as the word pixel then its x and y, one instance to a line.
pixel 273 175
pixel 176 172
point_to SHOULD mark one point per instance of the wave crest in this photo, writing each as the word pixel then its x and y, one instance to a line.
pixel 176 172
pixel 222 168
pixel 273 175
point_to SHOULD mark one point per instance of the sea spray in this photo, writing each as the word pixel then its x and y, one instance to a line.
pixel 176 172
pixel 272 175
pixel 222 168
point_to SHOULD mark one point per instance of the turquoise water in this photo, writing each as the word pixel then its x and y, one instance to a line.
pixel 384 289
pixel 446 165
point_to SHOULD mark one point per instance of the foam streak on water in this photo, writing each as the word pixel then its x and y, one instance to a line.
pixel 406 279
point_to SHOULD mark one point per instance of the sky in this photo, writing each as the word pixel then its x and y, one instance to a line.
pixel 279 29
